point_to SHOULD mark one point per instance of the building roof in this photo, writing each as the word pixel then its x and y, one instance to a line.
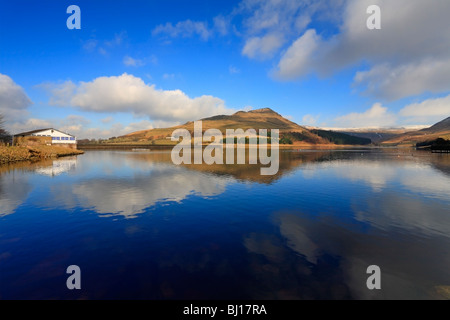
pixel 39 130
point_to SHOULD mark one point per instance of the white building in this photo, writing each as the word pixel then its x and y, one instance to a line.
pixel 58 137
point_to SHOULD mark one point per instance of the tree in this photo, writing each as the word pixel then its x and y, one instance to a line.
pixel 286 140
pixel 5 136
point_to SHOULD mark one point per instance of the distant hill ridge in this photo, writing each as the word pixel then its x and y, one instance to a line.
pixel 443 125
pixel 438 130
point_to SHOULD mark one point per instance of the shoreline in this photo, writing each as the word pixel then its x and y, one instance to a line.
pixel 299 146
pixel 36 153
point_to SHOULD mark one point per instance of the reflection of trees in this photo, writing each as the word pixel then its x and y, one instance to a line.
pixel 441 162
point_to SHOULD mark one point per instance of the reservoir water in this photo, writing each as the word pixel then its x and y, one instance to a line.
pixel 140 227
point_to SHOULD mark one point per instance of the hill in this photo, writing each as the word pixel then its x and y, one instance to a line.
pixel 442 126
pixel 290 132
pixel 375 135
pixel 436 131
pixel 342 138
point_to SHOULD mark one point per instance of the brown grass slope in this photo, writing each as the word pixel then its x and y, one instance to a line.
pixel 438 130
pixel 256 119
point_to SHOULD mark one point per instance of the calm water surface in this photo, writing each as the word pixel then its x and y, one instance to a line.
pixel 140 227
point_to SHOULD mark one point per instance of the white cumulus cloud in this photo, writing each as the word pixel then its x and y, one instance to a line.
pixel 408 56
pixel 28 125
pixel 13 99
pixel 393 82
pixel 268 24
pixel 262 47
pixel 376 117
pixel 61 92
pixel 298 58
pixel 127 93
pixel 428 111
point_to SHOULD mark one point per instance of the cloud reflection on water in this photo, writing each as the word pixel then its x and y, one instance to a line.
pixel 131 196
pixel 411 268
pixel 14 189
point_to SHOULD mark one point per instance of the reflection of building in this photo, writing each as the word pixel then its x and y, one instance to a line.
pixel 48 136
pixel 59 166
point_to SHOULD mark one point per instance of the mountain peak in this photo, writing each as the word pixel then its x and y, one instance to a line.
pixel 262 110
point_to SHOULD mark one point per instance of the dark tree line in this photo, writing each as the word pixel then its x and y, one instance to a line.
pixel 342 138
pixel 437 144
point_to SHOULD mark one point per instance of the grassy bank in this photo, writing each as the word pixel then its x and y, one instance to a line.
pixel 13 154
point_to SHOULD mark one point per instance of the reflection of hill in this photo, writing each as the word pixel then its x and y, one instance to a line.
pixel 289 160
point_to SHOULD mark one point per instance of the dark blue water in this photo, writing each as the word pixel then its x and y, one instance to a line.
pixel 140 227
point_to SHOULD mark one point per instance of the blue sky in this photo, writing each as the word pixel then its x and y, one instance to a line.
pixel 135 65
